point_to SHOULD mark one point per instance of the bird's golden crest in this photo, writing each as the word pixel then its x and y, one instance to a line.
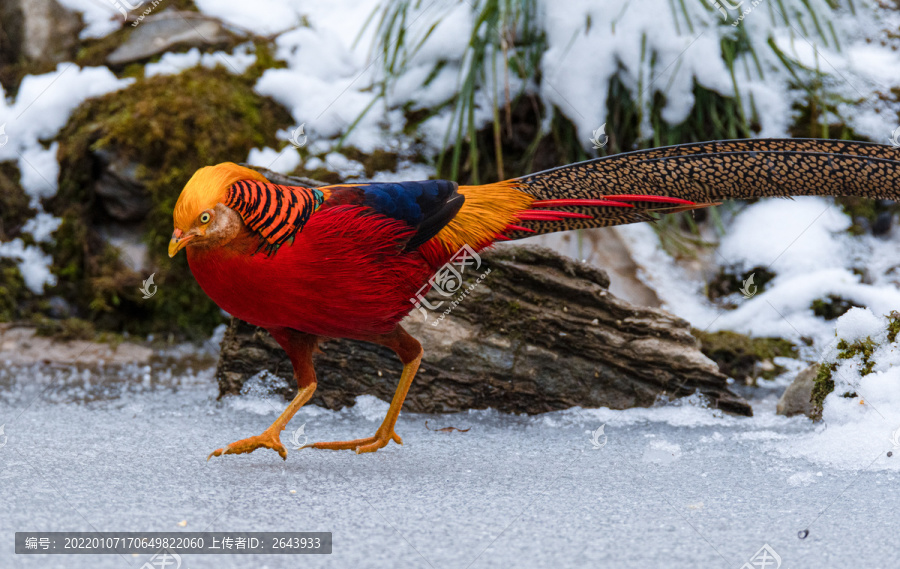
pixel 207 187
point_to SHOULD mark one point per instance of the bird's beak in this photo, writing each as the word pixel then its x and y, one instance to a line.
pixel 178 241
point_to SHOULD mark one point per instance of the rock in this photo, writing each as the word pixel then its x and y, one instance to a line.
pixel 158 33
pixel 20 346
pixel 123 195
pixel 37 31
pixel 539 333
pixel 59 308
pixel 128 238
pixel 796 399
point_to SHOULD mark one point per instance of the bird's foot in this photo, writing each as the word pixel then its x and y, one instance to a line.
pixel 368 444
pixel 268 439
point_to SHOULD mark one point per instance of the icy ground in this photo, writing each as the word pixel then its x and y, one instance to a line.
pixel 676 486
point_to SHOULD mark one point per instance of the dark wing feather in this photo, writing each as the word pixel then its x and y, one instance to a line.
pixel 426 206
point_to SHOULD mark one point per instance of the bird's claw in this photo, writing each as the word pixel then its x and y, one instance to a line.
pixel 368 444
pixel 267 439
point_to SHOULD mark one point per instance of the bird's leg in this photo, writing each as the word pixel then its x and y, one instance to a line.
pixel 300 348
pixel 410 352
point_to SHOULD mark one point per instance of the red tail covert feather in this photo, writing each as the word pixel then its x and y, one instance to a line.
pixel 581 203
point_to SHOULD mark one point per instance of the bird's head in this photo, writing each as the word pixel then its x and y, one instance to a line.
pixel 201 217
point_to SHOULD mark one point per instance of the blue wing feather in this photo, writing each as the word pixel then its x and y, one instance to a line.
pixel 427 205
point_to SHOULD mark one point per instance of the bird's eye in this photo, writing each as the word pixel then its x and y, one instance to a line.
pixel 205 217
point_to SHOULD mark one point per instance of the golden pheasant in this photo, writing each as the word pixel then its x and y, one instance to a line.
pixel 349 260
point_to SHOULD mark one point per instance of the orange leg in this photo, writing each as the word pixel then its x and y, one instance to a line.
pixel 299 347
pixel 410 352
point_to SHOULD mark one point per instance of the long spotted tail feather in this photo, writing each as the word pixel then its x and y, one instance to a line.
pixel 637 186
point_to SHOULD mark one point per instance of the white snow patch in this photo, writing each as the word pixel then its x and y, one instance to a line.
pixel 802 478
pixel 857 431
pixel 33 263
pixel 263 17
pixel 284 161
pixel 173 63
pixel 41 108
pixel 661 452
pixel 41 226
pixel 100 18
pixel 370 408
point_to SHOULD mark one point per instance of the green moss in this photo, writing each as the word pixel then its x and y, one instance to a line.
pixel 14 208
pixel 831 307
pixel 265 59
pixel 17 302
pixel 740 356
pixel 864 348
pixel 380 161
pixel 14 295
pixel 893 326
pixel 323 175
pixel 93 52
pixel 168 126
pixel 67 329
pixel 823 384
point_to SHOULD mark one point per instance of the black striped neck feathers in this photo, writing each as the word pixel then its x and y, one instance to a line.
pixel 272 212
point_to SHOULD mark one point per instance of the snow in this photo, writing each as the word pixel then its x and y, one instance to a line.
pixel 100 18
pixel 41 108
pixel 174 63
pixel 33 264
pixel 45 102
pixel 264 17
pixel 107 451
pixel 41 226
pixel 284 161
pixel 677 481
pixel 802 241
pixel 866 425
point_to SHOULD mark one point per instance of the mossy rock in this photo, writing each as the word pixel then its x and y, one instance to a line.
pixel 14 207
pixel 168 127
pixel 743 357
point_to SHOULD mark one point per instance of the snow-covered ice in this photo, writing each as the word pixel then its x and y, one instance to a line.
pixel 674 486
